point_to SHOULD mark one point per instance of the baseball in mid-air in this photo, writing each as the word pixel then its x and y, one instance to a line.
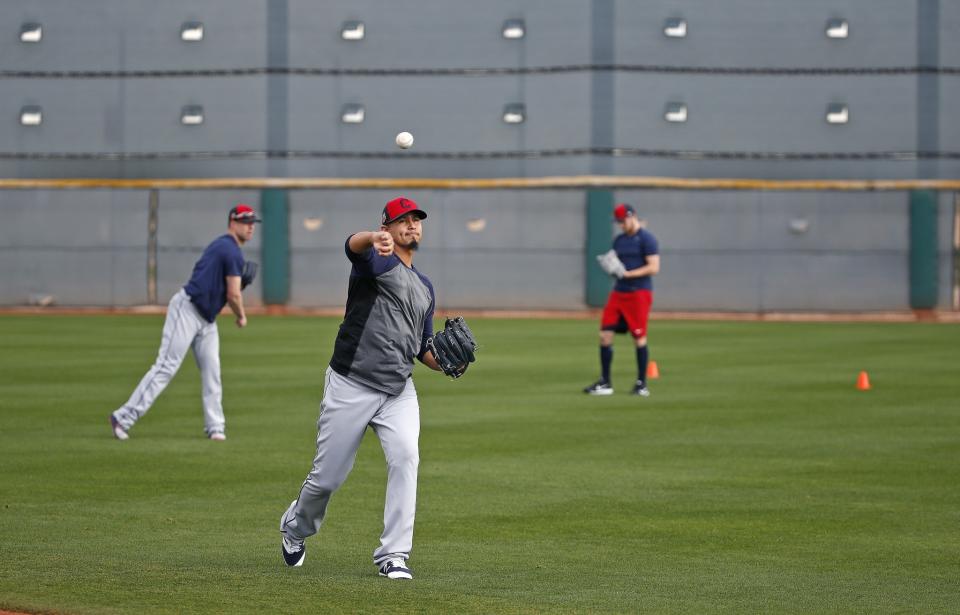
pixel 404 140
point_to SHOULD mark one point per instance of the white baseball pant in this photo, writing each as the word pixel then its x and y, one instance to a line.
pixel 183 329
pixel 348 407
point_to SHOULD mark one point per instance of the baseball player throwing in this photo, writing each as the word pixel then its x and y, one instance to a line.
pixel 388 323
pixel 217 280
pixel 634 260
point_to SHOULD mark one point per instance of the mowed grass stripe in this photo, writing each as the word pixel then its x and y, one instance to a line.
pixel 755 479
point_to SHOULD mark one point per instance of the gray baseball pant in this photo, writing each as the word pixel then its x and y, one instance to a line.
pixel 348 407
pixel 183 329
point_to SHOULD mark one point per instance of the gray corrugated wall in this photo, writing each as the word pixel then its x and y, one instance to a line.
pixel 249 114
pixel 498 249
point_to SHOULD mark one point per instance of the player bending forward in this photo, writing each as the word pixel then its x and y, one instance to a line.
pixel 218 277
pixel 388 323
pixel 634 260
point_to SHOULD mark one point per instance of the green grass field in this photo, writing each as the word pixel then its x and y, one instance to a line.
pixel 756 479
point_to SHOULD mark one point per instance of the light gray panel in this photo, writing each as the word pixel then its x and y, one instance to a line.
pixel 233 114
pixel 78 116
pixel 766 114
pixel 527 221
pixel 79 247
pixel 319 278
pixel 449 114
pixel 749 33
pixel 949 41
pixel 777 169
pixel 706 280
pixel 698 220
pixel 73 220
pixel 949 121
pixel 92 276
pixel 438 34
pixel 135 116
pixel 234 34
pixel 835 221
pixel 870 281
pixel 133 35
pixel 505 279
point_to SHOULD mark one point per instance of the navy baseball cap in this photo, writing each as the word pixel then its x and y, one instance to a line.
pixel 244 213
pixel 399 207
pixel 621 211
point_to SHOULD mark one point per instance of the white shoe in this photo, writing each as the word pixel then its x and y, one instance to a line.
pixel 118 431
pixel 641 389
pixel 395 569
pixel 218 436
pixel 600 387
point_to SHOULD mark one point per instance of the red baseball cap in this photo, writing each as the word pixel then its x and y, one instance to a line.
pixel 399 207
pixel 244 213
pixel 621 211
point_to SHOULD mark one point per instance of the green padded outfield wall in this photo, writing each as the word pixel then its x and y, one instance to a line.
pixel 599 238
pixel 923 250
pixel 275 247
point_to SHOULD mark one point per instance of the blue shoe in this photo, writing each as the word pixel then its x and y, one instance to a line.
pixel 395 569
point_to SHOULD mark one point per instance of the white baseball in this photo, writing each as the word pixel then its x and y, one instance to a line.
pixel 404 140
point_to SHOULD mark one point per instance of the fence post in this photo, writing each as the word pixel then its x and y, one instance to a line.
pixel 153 207
pixel 599 210
pixel 275 247
pixel 923 250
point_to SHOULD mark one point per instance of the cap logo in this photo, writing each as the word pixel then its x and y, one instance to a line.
pixel 243 213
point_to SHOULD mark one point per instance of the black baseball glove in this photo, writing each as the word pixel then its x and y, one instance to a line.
pixel 454 347
pixel 249 273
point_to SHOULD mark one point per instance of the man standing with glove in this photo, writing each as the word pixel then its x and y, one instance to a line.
pixel 634 260
pixel 388 323
pixel 217 280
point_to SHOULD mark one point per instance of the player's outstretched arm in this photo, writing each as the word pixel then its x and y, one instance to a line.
pixel 381 241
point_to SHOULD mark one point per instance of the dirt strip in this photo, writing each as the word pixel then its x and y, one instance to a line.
pixel 941 316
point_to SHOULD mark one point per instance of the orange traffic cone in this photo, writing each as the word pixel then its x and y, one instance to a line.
pixel 652 370
pixel 863 382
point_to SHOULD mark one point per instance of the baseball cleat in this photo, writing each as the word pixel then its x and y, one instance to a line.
pixel 395 569
pixel 217 435
pixel 600 387
pixel 294 551
pixel 118 431
pixel 641 389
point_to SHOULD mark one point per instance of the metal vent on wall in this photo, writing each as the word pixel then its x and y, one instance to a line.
pixel 838 28
pixel 191 115
pixel 675 27
pixel 514 113
pixel 31 115
pixel 31 33
pixel 191 31
pixel 675 112
pixel 352 31
pixel 514 29
pixel 838 113
pixel 352 114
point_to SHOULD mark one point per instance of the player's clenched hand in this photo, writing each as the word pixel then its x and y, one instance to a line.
pixel 241 322
pixel 383 243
